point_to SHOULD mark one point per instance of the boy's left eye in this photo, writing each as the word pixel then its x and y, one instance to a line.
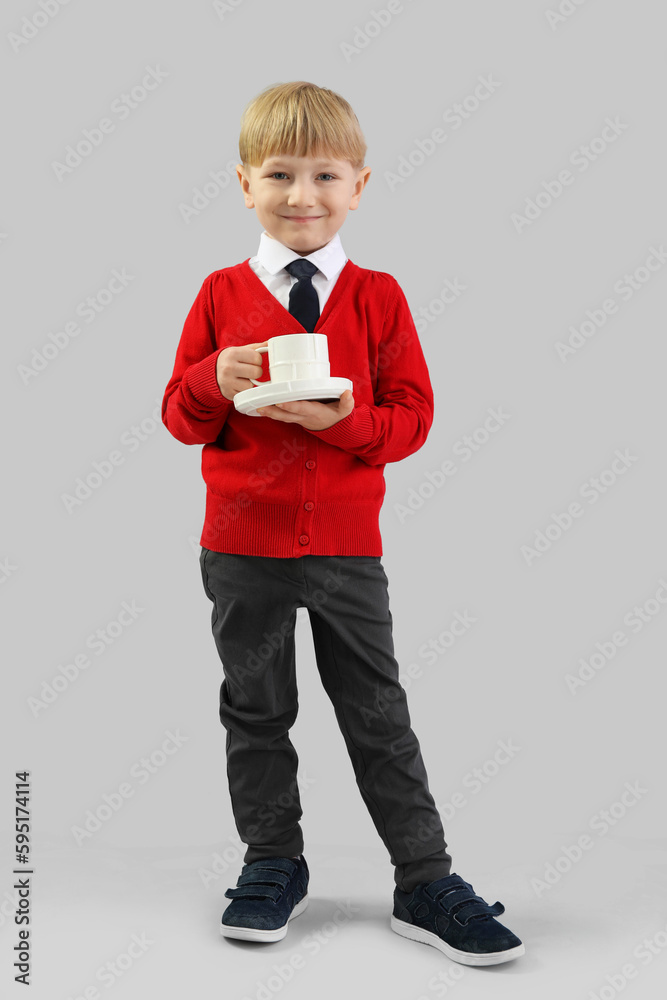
pixel 281 173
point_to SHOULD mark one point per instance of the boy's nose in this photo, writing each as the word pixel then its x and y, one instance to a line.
pixel 301 195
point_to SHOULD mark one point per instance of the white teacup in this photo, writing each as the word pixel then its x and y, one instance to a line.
pixel 296 356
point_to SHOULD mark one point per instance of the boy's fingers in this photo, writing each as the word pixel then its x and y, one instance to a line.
pixel 248 363
pixel 250 347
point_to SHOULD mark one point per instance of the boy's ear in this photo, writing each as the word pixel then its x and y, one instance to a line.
pixel 362 180
pixel 245 185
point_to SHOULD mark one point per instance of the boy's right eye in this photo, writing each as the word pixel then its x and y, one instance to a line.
pixel 275 174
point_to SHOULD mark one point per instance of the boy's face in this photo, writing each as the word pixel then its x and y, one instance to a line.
pixel 302 201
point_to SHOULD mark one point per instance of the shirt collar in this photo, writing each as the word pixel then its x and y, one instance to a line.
pixel 274 256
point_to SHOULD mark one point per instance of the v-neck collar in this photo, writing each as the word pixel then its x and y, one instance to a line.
pixel 258 289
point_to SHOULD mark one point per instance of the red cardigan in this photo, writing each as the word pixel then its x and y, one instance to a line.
pixel 276 489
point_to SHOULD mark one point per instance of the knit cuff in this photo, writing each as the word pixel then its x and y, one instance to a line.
pixel 353 431
pixel 201 384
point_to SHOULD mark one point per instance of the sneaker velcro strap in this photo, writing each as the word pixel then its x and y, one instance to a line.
pixel 447 883
pixel 450 897
pixel 264 877
pixel 459 901
pixel 477 908
pixel 257 891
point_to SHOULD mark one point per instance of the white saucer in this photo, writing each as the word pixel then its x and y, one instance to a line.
pixel 325 389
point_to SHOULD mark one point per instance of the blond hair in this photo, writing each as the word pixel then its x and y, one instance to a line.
pixel 300 119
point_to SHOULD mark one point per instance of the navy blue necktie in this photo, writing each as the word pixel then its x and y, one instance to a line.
pixel 304 304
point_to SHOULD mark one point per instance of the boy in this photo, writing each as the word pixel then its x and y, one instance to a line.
pixel 292 510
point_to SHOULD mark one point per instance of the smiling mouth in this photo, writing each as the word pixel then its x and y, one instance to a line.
pixel 301 218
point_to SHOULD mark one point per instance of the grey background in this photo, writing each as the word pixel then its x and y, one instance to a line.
pixel 65 575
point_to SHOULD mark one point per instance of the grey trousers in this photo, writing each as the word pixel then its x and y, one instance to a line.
pixel 255 600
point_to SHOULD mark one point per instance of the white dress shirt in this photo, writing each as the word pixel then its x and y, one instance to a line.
pixel 273 256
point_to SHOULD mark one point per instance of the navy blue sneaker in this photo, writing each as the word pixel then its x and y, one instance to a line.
pixel 448 915
pixel 268 894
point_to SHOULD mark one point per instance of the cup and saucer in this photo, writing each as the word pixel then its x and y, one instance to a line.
pixel 298 369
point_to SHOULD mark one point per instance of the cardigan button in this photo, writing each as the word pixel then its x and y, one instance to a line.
pixel 309 505
pixel 303 539
pixel 310 464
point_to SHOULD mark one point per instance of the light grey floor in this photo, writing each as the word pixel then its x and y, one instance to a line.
pixel 126 924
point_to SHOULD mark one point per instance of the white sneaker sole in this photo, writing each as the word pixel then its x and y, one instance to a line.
pixel 463 957
pixel 254 934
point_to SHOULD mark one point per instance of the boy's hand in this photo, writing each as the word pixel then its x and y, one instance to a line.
pixel 236 366
pixel 312 416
